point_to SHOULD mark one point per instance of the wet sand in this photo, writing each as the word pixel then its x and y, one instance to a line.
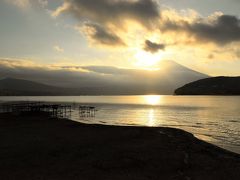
pixel 37 147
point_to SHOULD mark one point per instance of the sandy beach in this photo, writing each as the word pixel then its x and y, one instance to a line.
pixel 34 147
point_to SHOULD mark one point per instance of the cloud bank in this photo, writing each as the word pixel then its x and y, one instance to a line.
pixel 112 23
pixel 222 30
pixel 106 22
pixel 111 11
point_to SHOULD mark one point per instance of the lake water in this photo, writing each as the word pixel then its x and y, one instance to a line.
pixel 215 119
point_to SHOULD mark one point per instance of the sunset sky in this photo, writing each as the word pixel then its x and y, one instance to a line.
pixel 136 34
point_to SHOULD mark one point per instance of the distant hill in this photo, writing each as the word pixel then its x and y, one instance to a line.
pixel 102 80
pixel 11 86
pixel 165 80
pixel 211 86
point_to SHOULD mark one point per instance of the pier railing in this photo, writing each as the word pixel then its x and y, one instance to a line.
pixel 55 110
pixel 87 111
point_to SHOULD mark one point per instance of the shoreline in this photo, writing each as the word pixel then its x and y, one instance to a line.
pixel 40 147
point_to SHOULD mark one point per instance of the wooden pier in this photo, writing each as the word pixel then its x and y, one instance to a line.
pixel 87 111
pixel 55 110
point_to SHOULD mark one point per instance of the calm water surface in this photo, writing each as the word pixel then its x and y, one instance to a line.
pixel 215 119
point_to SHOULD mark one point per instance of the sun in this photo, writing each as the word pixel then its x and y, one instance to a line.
pixel 147 60
pixel 152 99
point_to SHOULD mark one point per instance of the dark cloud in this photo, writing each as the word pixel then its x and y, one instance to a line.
pixel 223 30
pixel 105 14
pixel 102 35
pixel 112 11
pixel 153 47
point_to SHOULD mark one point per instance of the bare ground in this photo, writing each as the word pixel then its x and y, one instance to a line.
pixel 37 147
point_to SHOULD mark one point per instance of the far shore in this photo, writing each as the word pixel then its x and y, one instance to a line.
pixel 38 147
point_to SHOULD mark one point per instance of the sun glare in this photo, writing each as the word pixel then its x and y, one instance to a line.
pixel 152 99
pixel 147 60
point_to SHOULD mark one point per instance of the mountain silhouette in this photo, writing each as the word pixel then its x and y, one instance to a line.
pixel 103 80
pixel 12 86
pixel 212 86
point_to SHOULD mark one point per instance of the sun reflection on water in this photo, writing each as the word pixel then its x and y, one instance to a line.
pixel 151 118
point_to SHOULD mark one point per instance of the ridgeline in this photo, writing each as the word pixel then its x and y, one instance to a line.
pixel 211 86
